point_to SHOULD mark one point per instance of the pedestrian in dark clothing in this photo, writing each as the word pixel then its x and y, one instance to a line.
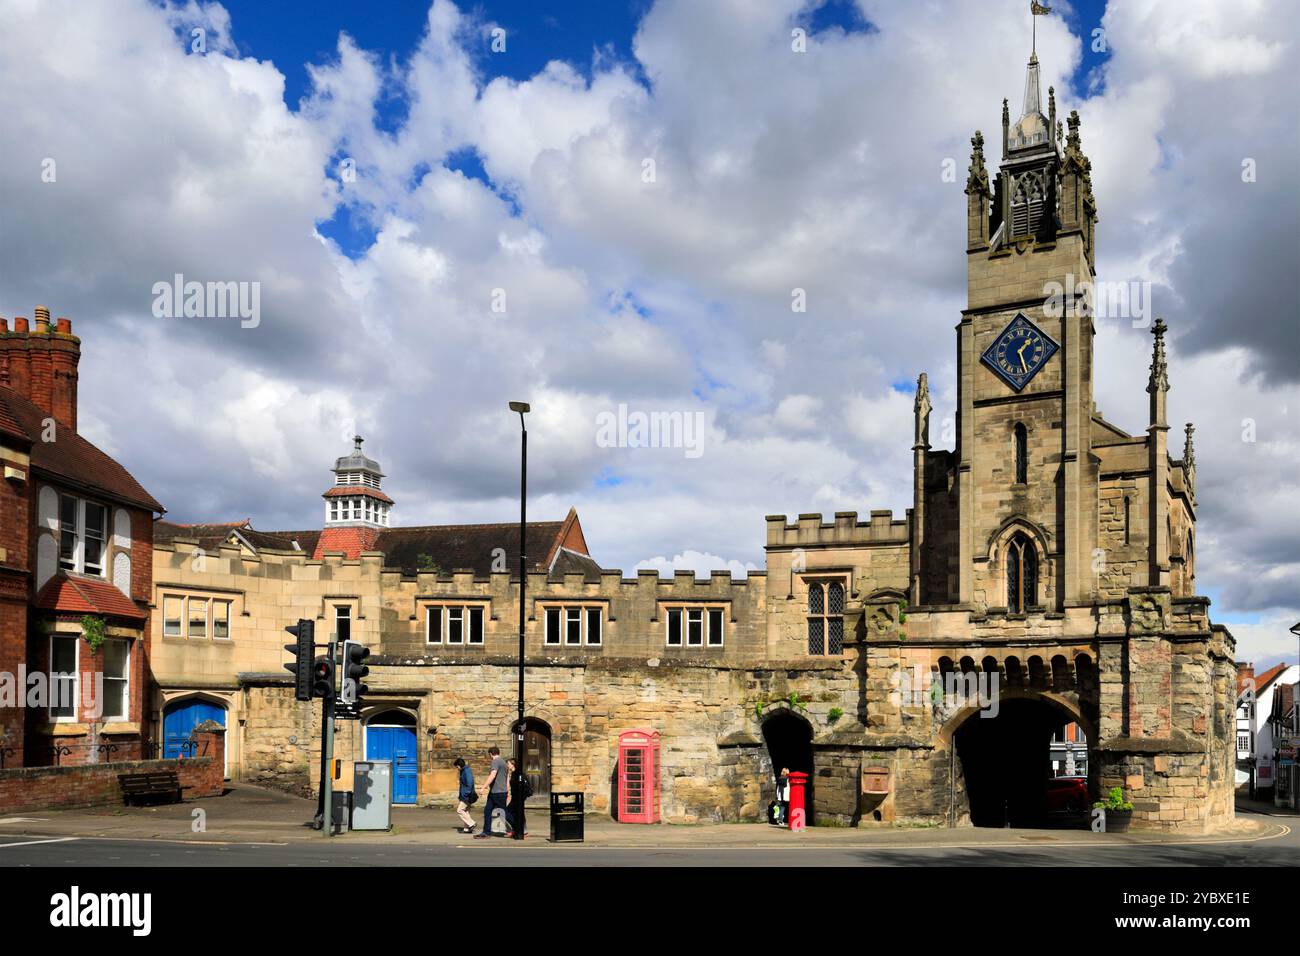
pixel 520 788
pixel 496 791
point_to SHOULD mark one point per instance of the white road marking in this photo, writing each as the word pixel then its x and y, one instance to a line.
pixel 5 846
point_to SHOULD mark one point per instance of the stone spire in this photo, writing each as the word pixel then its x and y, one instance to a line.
pixel 1158 383
pixel 1032 130
pixel 1053 127
pixel 922 408
pixel 1159 379
pixel 1189 459
pixel 1033 100
pixel 1006 127
pixel 977 180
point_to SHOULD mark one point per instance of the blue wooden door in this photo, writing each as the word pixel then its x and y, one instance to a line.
pixel 179 720
pixel 398 745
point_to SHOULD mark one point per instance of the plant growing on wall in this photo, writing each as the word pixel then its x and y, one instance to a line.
pixel 1114 801
pixel 792 700
pixel 93 630
pixel 834 714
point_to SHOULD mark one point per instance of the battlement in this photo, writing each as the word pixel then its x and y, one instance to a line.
pixel 810 531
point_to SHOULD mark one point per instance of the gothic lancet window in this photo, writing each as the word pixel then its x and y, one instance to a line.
pixel 1021 454
pixel 1022 573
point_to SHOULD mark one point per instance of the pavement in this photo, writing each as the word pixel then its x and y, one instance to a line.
pixel 251 816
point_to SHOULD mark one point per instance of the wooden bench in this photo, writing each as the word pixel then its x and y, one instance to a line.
pixel 158 783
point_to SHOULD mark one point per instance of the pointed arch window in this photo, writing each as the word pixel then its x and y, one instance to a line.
pixel 1021 454
pixel 1022 573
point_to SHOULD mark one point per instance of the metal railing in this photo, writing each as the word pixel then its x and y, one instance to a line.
pixel 64 754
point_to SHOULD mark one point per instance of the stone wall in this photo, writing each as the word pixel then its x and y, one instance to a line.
pixel 715 765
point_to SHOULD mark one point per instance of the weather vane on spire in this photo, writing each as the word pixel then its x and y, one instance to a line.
pixel 1037 9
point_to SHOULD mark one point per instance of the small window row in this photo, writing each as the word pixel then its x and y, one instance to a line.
pixel 196 617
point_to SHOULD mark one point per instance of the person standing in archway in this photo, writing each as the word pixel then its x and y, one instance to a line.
pixel 781 808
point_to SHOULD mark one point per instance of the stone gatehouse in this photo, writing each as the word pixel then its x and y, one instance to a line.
pixel 1046 562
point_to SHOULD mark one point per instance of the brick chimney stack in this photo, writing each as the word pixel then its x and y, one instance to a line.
pixel 41 364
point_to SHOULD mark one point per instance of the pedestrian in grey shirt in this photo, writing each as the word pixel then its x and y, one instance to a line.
pixel 495 788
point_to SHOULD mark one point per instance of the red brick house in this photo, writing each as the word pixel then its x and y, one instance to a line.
pixel 76 543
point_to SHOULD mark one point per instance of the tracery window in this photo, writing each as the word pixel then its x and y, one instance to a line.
pixel 1022 573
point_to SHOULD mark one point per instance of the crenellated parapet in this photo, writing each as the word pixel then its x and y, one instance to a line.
pixel 812 531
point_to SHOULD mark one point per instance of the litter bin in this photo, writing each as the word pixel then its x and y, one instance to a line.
pixel 566 817
pixel 342 816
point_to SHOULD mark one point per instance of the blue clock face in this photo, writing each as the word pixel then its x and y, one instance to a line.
pixel 1019 351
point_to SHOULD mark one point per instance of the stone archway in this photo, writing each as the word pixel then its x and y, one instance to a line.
pixel 1002 756
pixel 788 737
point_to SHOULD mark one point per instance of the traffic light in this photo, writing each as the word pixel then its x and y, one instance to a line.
pixel 302 651
pixel 354 668
pixel 322 678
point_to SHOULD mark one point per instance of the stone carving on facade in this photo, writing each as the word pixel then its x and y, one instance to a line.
pixel 922 408
pixel 978 179
pixel 1159 379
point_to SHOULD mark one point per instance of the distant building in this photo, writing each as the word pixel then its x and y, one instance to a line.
pixel 1256 740
pixel 1069 751
pixel 1284 727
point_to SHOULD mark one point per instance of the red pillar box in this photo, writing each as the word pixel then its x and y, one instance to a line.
pixel 798 803
pixel 638 776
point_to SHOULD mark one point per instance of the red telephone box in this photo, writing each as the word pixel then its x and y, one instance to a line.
pixel 638 776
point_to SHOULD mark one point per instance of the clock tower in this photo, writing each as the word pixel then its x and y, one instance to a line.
pixel 1024 475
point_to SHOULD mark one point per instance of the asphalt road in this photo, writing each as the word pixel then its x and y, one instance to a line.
pixel 35 851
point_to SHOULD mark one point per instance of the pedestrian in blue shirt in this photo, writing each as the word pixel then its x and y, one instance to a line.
pixel 465 796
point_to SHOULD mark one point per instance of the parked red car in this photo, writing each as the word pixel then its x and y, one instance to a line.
pixel 1067 793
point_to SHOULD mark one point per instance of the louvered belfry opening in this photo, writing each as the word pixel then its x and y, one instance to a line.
pixel 1027 204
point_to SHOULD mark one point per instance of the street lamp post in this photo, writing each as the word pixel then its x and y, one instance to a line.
pixel 521 408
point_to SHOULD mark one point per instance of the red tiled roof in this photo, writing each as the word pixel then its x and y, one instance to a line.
pixel 1263 680
pixel 351 541
pixel 70 458
pixel 350 491
pixel 86 596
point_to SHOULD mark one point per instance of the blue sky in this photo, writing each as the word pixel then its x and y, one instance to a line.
pixel 294 33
